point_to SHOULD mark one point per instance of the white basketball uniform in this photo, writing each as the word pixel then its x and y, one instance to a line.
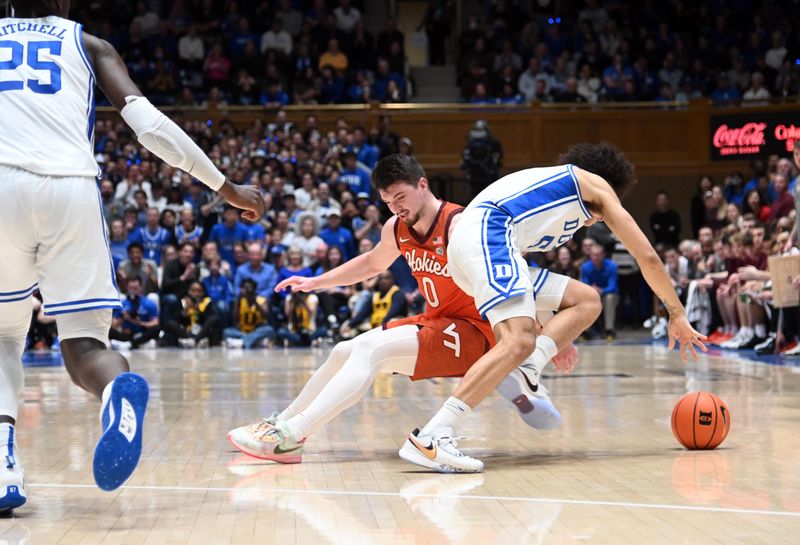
pixel 52 231
pixel 533 210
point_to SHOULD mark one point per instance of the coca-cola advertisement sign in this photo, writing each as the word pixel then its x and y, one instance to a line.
pixel 744 136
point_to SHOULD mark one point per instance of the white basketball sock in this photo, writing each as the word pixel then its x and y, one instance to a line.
pixel 389 351
pixel 545 350
pixel 761 331
pixel 451 412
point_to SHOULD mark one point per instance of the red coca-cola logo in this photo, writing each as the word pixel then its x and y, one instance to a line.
pixel 751 134
pixel 782 132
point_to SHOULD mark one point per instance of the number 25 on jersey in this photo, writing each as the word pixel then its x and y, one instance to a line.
pixel 32 59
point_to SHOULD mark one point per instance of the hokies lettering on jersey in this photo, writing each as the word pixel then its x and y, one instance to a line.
pixel 427 257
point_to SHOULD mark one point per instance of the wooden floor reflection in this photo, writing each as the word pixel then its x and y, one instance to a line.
pixel 613 474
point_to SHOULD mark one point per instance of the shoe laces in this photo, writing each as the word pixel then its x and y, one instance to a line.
pixel 449 444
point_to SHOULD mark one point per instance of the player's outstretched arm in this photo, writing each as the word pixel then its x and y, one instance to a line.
pixel 356 270
pixel 599 193
pixel 158 133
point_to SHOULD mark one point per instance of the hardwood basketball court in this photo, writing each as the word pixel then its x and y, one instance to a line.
pixel 613 474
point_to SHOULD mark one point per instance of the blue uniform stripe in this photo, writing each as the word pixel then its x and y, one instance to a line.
pixel 544 208
pixel 15 299
pixel 82 309
pixel 3 294
pixel 556 190
pixel 497 249
pixel 489 305
pixel 84 302
pixel 108 245
pixel 540 281
pixel 82 50
pixel 578 191
pixel 529 188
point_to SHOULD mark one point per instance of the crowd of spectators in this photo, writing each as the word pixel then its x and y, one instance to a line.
pixel 623 51
pixel 270 53
pixel 194 273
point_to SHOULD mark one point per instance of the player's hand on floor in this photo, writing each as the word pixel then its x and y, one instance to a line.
pixel 681 332
pixel 566 359
pixel 297 283
pixel 245 197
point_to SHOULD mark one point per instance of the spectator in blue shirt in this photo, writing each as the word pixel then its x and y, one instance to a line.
pixel 365 152
pixel 218 287
pixel 255 231
pixel 273 96
pixel 380 88
pixel 336 235
pixel 228 233
pixel 137 321
pixel 601 274
pixel 118 243
pixel 356 177
pixel 263 274
pixel 725 93
pixel 152 236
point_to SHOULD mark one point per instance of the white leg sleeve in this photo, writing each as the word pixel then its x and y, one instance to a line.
pixel 319 379
pixel 14 323
pixel 389 351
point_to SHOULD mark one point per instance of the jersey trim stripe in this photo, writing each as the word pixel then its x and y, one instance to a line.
pixel 108 245
pixel 530 188
pixel 578 191
pixel 396 237
pixel 3 294
pixel 82 309
pixel 450 217
pixel 544 208
pixel 496 252
pixel 424 239
pixel 493 302
pixel 83 301
pixel 15 299
pixel 82 50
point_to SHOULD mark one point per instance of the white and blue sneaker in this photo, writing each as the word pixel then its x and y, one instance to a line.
pixel 522 388
pixel 118 451
pixel 13 493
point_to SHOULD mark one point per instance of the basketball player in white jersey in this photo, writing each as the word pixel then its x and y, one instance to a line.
pixel 442 342
pixel 52 233
pixel 539 209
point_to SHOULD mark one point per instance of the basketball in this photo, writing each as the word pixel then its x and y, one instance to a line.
pixel 700 421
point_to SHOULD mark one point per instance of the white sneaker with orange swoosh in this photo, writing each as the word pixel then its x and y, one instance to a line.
pixel 438 452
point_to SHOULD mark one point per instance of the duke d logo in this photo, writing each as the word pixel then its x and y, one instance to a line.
pixel 705 419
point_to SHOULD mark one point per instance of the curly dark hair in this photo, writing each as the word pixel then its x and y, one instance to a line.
pixel 397 168
pixel 33 8
pixel 606 161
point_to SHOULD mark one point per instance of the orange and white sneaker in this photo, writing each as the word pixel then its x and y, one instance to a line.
pixel 438 452
pixel 267 440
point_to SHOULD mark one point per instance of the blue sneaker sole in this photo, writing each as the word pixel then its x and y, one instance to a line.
pixel 117 453
pixel 537 413
pixel 12 499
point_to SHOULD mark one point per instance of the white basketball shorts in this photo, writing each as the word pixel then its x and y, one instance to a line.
pixel 53 237
pixel 485 263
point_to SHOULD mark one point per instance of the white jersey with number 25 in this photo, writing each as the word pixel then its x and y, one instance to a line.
pixel 46 97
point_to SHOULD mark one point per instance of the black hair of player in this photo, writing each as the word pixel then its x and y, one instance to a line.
pixel 606 161
pixel 397 168
pixel 31 9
